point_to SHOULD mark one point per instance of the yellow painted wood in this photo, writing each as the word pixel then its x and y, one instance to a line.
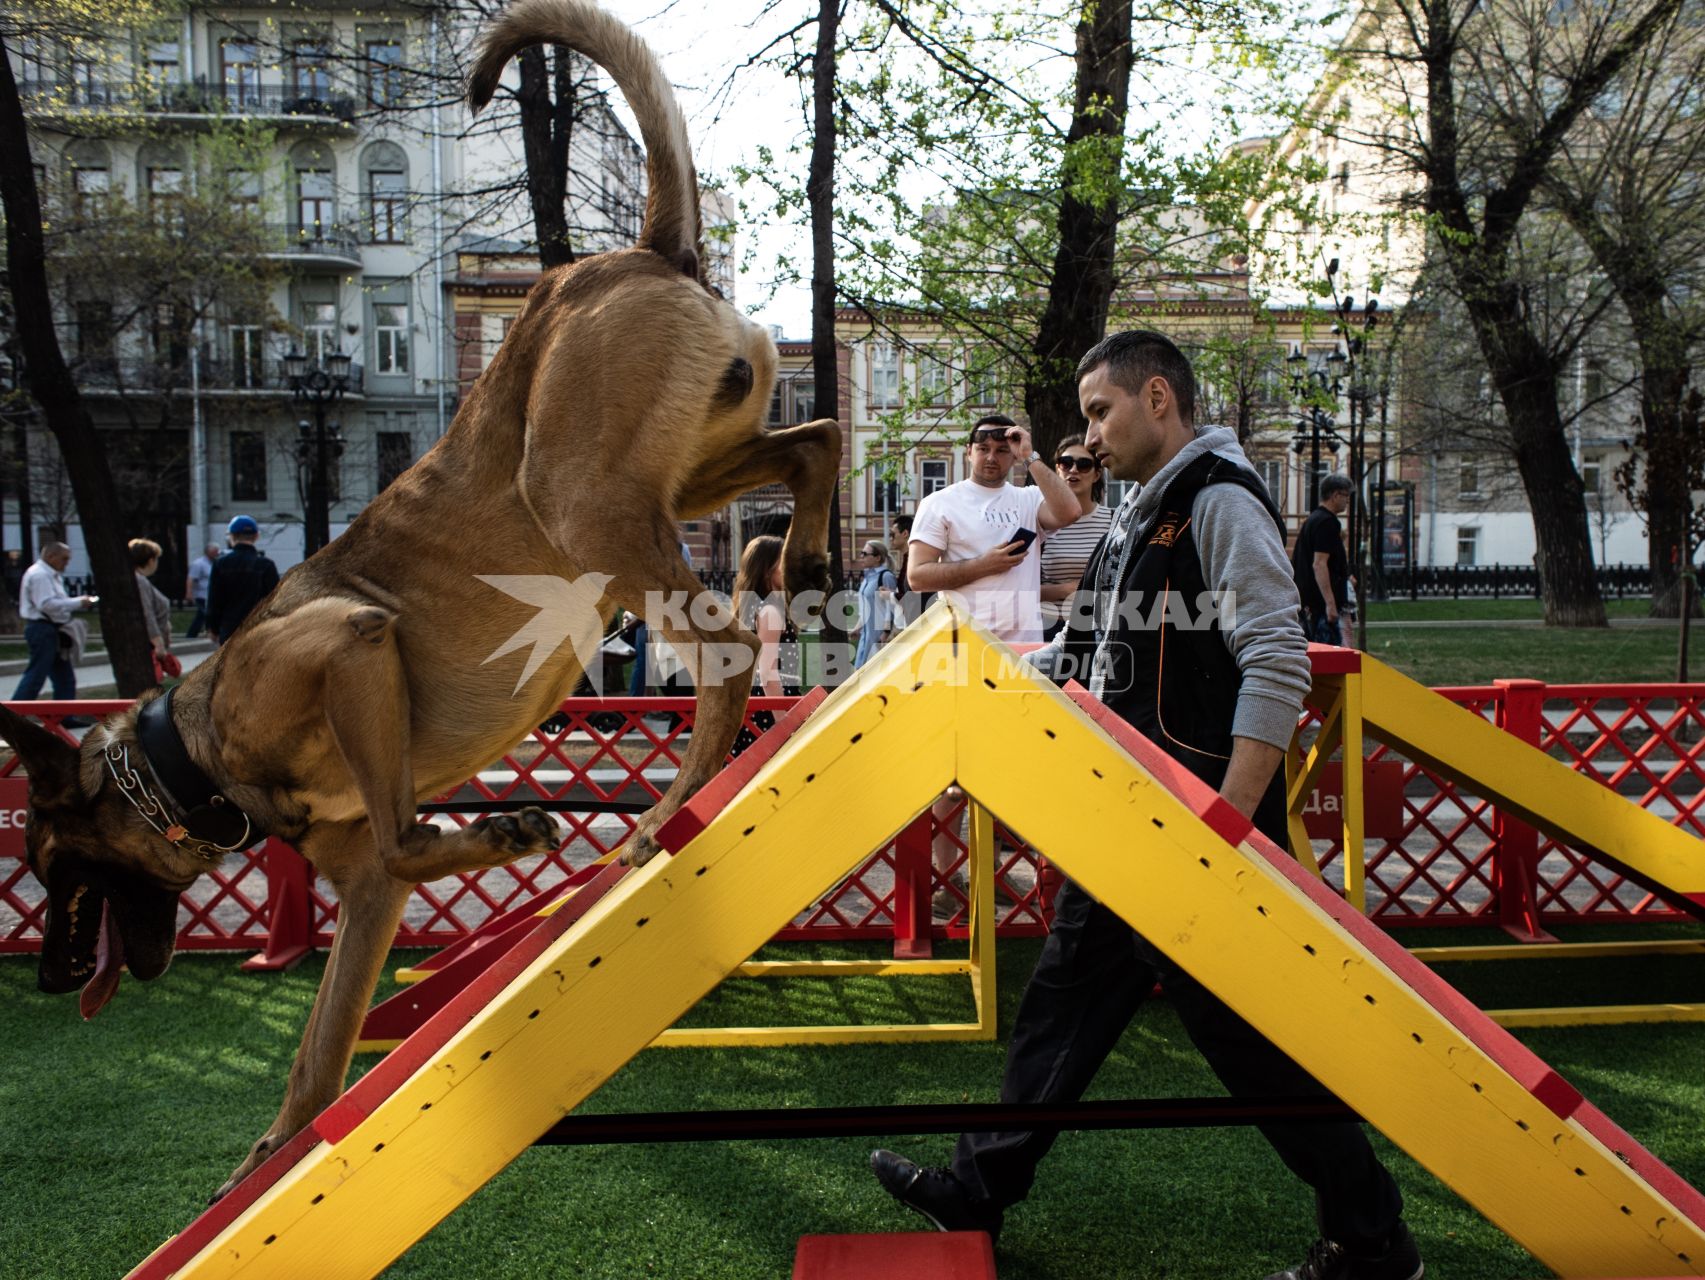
pixel 982 894
pixel 1279 960
pixel 1301 843
pixel 1602 1015
pixel 407 974
pixel 1355 858
pixel 895 736
pixel 646 953
pixel 1559 950
pixel 777 1037
pixel 1541 791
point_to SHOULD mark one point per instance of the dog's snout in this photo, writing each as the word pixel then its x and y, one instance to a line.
pixel 736 382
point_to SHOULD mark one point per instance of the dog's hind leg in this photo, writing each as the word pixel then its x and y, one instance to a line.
pixel 807 459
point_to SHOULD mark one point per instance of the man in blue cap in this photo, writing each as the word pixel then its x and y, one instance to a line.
pixel 240 580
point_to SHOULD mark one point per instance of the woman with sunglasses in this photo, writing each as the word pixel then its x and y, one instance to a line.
pixel 1068 550
pixel 876 593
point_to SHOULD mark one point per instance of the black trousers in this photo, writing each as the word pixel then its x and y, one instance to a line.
pixel 1094 974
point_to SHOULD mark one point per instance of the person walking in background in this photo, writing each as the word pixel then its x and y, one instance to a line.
pixel 44 607
pixel 156 609
pixel 899 535
pixel 759 605
pixel 195 589
pixel 878 595
pixel 1067 551
pixel 240 580
pixel 1222 700
pixel 1318 563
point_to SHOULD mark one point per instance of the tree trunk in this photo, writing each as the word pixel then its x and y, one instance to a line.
pixel 1669 505
pixel 55 390
pixel 1081 287
pixel 1527 385
pixel 547 124
pixel 820 195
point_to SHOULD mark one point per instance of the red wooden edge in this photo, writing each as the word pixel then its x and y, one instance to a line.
pixel 923 1255
pixel 1504 1049
pixel 694 816
pixel 1331 660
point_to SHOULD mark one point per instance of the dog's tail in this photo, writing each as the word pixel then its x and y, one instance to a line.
pixel 672 226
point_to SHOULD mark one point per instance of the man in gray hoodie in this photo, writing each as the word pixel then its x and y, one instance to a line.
pixel 1194 567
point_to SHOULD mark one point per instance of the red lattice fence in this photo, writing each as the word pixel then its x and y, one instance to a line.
pixel 1455 860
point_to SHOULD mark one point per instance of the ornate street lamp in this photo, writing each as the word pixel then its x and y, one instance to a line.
pixel 317 387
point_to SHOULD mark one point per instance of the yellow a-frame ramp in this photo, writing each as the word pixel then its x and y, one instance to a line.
pixel 480 1083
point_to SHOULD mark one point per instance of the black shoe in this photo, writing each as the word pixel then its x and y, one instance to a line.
pixel 1329 1260
pixel 936 1194
pixel 77 722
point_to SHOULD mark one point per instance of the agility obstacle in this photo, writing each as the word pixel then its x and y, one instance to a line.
pixel 592 984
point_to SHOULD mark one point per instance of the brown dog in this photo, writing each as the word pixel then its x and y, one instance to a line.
pixel 627 396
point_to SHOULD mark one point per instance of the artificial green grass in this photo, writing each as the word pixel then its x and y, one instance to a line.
pixel 116 1130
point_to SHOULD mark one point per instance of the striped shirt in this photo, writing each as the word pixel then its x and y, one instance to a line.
pixel 1066 551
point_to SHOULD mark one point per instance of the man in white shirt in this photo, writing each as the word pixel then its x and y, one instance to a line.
pixel 978 543
pixel 963 537
pixel 43 605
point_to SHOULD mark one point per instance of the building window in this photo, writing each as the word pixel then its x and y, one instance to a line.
pixel 1592 381
pixel 1468 480
pixel 244 188
pixel 248 356
pixel 165 193
pixel 885 495
pixel 316 213
pixel 239 72
pixel 884 375
pixel 936 382
pixel 169 335
pixel 984 378
pixel 396 454
pixel 94 333
pixel 932 475
pixel 88 87
pixel 384 73
pixel 1272 473
pixel 310 74
pixel 319 330
pixel 164 68
pixel 390 337
pixel 1592 473
pixel 89 188
pixel 387 195
pixel 804 399
pixel 1467 545
pixel 248 466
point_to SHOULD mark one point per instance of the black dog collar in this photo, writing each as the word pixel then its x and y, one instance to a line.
pixel 200 815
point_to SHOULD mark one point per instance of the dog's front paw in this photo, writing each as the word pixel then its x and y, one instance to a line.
pixel 515 835
pixel 255 1159
pixel 640 849
pixel 805 573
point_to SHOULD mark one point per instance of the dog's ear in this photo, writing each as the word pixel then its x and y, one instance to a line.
pixel 49 760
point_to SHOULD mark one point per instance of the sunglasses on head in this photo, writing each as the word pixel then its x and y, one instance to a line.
pixel 1070 462
pixel 989 435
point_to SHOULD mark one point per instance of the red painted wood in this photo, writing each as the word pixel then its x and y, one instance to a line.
pixel 1330 660
pixel 923 1255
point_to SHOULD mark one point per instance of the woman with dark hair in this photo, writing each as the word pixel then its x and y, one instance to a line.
pixel 156 609
pixel 1066 551
pixel 758 603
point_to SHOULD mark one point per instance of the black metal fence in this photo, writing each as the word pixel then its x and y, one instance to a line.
pixel 1494 581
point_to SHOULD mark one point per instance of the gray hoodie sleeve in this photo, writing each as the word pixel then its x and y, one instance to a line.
pixel 1243 561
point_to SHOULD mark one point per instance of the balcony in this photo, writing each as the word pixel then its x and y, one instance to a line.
pixel 88 94
pixel 326 246
pixel 219 375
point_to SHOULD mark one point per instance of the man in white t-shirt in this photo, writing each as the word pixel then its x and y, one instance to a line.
pixel 964 546
pixel 977 541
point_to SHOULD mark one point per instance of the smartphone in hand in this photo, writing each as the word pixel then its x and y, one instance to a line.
pixel 1024 537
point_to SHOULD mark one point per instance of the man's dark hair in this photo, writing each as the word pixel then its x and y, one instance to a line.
pixel 1337 482
pixel 901 521
pixel 990 420
pixel 1135 356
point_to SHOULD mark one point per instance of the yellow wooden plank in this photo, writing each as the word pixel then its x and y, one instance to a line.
pixel 1355 861
pixel 1601 1015
pixel 641 957
pixel 1251 936
pixel 853 968
pixel 1541 791
pixel 907 723
pixel 777 1037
